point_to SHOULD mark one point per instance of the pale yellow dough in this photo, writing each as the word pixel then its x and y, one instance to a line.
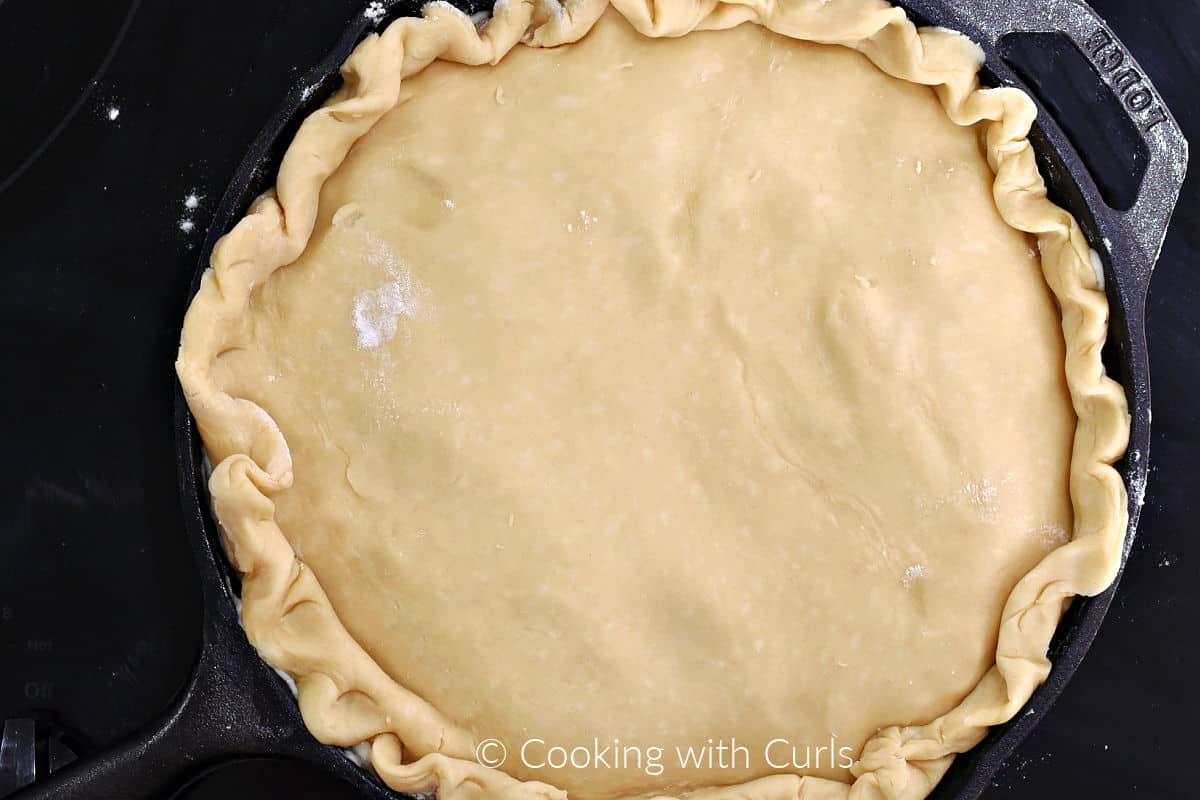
pixel 667 391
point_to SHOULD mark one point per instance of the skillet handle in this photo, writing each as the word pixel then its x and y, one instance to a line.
pixel 233 706
pixel 202 727
pixel 141 768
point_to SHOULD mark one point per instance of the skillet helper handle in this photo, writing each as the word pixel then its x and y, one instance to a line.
pixel 1144 224
pixel 1133 236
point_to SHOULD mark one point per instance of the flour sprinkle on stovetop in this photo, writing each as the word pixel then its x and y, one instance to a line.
pixel 375 11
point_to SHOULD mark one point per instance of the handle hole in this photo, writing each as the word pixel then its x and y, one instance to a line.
pixel 1088 111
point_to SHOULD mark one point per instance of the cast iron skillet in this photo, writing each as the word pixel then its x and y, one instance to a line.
pixel 236 706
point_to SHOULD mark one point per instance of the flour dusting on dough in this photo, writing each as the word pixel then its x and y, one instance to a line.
pixel 377 312
pixel 982 494
pixel 913 573
pixel 1051 534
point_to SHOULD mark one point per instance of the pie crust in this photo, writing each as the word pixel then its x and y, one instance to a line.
pixel 924 599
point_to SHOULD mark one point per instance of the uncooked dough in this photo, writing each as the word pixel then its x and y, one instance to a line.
pixel 659 391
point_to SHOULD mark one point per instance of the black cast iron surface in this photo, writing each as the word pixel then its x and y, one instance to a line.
pixel 99 598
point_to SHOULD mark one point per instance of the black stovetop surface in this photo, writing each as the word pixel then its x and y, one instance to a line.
pixel 115 113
